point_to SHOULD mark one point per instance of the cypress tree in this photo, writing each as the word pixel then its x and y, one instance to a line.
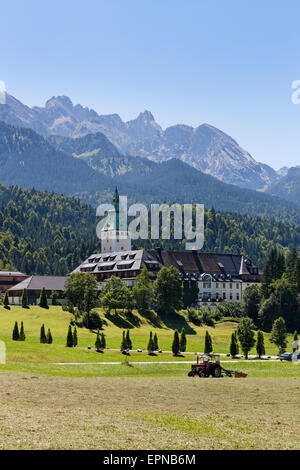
pixel 128 340
pixel 24 299
pixel 175 344
pixel 15 334
pixel 260 344
pixel 279 334
pixel 234 349
pixel 43 302
pixel 54 297
pixel 123 343
pixel 98 342
pixel 22 333
pixel 6 300
pixel 155 342
pixel 183 341
pixel 75 338
pixel 150 346
pixel 69 338
pixel 103 341
pixel 49 338
pixel 208 343
pixel 43 338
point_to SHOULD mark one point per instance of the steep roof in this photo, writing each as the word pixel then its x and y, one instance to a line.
pixel 38 282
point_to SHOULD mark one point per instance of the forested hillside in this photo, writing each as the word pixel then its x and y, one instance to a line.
pixel 47 233
pixel 44 233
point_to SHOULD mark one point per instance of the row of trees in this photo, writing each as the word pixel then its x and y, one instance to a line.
pixel 279 294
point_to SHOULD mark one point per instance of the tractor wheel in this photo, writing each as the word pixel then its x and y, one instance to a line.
pixel 202 374
pixel 191 374
pixel 217 372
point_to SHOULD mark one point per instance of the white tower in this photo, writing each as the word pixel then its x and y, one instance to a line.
pixel 112 237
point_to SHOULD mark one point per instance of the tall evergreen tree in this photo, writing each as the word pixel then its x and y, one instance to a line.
pixel 15 334
pixel 49 339
pixel 43 301
pixel 273 270
pixel 98 342
pixel 6 300
pixel 155 342
pixel 103 341
pixel 124 342
pixel 54 297
pixel 182 345
pixel 234 349
pixel 43 338
pixel 246 335
pixel 150 346
pixel 208 343
pixel 260 344
pixel 69 338
pixel 175 344
pixel 75 338
pixel 279 334
pixel 22 336
pixel 24 299
pixel 128 340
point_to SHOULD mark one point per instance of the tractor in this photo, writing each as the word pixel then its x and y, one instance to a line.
pixel 209 365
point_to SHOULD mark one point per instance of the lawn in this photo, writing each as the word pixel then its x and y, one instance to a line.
pixel 31 356
pixel 39 412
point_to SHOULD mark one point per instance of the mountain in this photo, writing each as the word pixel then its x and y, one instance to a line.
pixel 29 160
pixel 47 233
pixel 205 148
pixel 288 187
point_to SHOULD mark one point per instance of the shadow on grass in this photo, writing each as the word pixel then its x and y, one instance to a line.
pixel 125 320
pixel 175 321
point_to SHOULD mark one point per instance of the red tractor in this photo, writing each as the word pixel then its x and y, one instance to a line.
pixel 209 365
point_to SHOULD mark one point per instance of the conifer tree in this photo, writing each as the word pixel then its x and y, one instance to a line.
pixel 128 340
pixel 208 343
pixel 69 338
pixel 150 346
pixel 24 299
pixel 15 334
pixel 182 341
pixel 54 297
pixel 43 302
pixel 98 342
pixel 155 342
pixel 123 343
pixel 260 344
pixel 233 346
pixel 49 338
pixel 246 335
pixel 175 344
pixel 279 334
pixel 22 333
pixel 43 338
pixel 75 338
pixel 6 300
pixel 103 341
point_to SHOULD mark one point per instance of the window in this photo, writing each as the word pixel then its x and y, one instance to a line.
pixel 206 282
pixel 217 285
pixel 237 286
pixel 230 295
pixel 230 285
pixel 237 296
pixel 224 296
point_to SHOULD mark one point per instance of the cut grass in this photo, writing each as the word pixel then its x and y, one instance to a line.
pixel 155 413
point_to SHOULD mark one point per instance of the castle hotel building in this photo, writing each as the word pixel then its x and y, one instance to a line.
pixel 219 277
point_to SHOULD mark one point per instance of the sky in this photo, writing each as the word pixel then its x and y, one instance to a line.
pixel 229 63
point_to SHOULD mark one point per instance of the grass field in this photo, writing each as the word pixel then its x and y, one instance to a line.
pixel 138 406
pixel 39 412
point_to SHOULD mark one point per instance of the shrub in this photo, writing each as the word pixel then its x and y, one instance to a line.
pixel 194 317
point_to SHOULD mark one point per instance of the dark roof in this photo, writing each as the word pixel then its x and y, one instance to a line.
pixel 38 282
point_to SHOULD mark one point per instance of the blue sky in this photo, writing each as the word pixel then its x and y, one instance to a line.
pixel 229 63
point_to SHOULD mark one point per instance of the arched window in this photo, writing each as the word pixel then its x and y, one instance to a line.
pixel 207 281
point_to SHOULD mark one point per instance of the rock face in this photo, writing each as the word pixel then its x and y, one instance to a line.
pixel 205 148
